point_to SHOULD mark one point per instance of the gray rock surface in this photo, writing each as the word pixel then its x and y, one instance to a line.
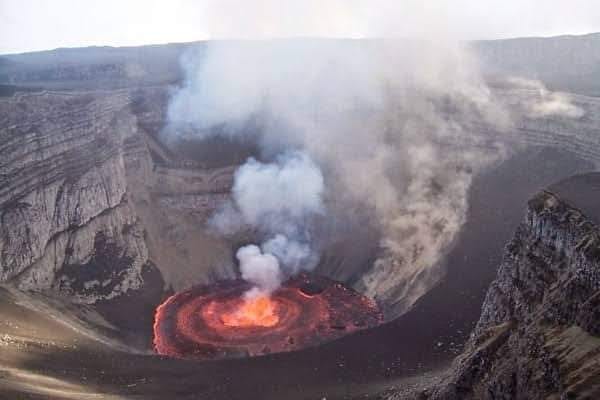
pixel 88 197
pixel 539 332
pixel 62 183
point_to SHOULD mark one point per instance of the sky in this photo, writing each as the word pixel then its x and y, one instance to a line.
pixel 28 25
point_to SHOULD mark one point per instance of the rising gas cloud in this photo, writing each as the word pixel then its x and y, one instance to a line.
pixel 280 199
pixel 398 127
pixel 395 126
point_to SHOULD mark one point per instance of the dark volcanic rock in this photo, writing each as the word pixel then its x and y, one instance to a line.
pixel 538 336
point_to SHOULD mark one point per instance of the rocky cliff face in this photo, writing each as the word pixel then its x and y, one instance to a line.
pixel 88 198
pixel 539 332
pixel 63 197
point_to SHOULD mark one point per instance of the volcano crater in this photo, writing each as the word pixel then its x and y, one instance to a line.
pixel 307 310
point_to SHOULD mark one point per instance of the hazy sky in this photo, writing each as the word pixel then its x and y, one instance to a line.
pixel 27 25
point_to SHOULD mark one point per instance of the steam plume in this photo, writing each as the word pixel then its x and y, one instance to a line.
pixel 397 126
pixel 280 199
pixel 260 269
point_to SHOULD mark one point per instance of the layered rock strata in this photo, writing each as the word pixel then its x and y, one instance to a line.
pixel 539 331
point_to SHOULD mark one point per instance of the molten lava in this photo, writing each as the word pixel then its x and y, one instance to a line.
pixel 257 311
pixel 217 321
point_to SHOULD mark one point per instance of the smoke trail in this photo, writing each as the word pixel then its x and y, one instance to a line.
pixel 280 199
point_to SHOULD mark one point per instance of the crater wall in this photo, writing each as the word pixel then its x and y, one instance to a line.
pixel 80 164
pixel 544 304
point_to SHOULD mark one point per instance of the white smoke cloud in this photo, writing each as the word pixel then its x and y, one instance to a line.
pixel 397 126
pixel 296 256
pixel 280 199
pixel 543 102
pixel 556 104
pixel 260 269
pixel 287 190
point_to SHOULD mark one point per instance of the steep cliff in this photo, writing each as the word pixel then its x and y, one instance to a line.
pixel 65 218
pixel 89 199
pixel 539 331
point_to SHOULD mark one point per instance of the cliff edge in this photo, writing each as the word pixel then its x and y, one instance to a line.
pixel 539 331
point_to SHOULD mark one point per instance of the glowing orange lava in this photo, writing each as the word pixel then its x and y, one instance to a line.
pixel 257 311
pixel 217 321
